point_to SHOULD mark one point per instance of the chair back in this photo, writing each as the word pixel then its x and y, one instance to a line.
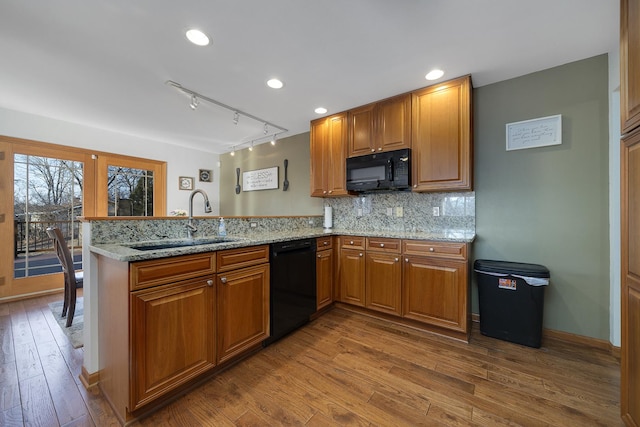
pixel 63 252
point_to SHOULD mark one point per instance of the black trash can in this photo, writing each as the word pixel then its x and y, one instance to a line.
pixel 511 298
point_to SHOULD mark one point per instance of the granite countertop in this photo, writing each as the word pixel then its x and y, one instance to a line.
pixel 125 252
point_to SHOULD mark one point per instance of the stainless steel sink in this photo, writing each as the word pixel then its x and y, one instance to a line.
pixel 153 246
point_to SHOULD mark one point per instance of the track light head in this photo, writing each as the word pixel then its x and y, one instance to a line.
pixel 194 102
pixel 236 117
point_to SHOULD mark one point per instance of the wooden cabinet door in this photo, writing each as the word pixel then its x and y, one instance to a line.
pixel 393 123
pixel 630 265
pixel 337 171
pixel 383 282
pixel 629 65
pixel 172 337
pixel 243 310
pixel 328 141
pixel 441 137
pixel 351 276
pixel 324 278
pixel 435 292
pixel 361 130
pixel 319 139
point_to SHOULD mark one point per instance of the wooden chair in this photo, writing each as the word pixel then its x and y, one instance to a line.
pixel 72 279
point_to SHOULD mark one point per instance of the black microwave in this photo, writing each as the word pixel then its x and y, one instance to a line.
pixel 390 170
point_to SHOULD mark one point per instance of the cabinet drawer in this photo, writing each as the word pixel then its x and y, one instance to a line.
pixel 144 274
pixel 382 244
pixel 232 259
pixel 324 243
pixel 352 242
pixel 435 249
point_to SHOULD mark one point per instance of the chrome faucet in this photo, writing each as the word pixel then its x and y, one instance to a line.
pixel 207 208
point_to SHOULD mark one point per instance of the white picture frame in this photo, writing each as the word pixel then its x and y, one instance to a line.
pixel 260 179
pixel 540 132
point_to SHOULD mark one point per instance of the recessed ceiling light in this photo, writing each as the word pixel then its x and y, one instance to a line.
pixel 320 110
pixel 434 74
pixel 197 37
pixel 274 83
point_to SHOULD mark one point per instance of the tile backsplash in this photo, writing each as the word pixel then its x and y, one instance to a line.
pixel 405 211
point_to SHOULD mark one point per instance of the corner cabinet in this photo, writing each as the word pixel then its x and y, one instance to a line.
pixel 328 145
pixel 383 126
pixel 629 65
pixel 442 151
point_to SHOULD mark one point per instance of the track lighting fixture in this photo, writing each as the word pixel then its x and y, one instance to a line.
pixel 251 146
pixel 197 97
pixel 273 140
pixel 194 102
pixel 233 151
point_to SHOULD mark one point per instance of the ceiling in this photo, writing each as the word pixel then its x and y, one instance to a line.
pixel 105 63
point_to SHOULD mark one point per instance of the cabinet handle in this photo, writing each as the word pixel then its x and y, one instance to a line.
pixel 223 279
pixel 209 282
pixel 382 245
pixel 431 250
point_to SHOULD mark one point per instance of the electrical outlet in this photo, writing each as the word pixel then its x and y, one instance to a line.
pixel 399 211
pixel 389 211
pixel 436 211
pixel 253 224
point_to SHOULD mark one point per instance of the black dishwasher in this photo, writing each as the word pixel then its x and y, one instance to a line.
pixel 293 286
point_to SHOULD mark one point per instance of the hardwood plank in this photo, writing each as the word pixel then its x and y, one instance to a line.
pixel 9 388
pixel 37 407
pixel 27 361
pixel 11 417
pixel 7 353
pixel 66 397
pixel 39 327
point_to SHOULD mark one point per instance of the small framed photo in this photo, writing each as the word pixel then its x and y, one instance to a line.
pixel 205 175
pixel 185 182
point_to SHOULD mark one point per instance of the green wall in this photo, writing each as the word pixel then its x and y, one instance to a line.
pixel 294 201
pixel 549 205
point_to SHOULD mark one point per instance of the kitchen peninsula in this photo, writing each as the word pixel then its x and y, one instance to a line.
pixel 169 318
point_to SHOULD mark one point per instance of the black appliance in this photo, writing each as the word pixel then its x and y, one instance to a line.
pixel 292 286
pixel 390 170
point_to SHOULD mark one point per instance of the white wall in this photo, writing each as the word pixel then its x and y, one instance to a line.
pixel 180 161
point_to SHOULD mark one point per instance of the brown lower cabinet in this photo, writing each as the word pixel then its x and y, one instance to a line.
pixel 416 280
pixel 164 323
pixel 324 272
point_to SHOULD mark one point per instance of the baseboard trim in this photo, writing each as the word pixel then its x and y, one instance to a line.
pixel 570 338
pixel 89 380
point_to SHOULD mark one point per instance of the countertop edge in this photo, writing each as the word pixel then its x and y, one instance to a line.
pixel 121 252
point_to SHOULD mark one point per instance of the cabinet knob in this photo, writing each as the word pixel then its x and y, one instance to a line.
pixel 324 192
pixel 360 253
pixel 351 242
pixel 379 149
pixel 223 279
pixel 325 243
pixel 330 191
pixel 319 256
pixel 406 260
pixel 382 245
pixel 373 149
pixel 415 185
pixel 397 260
pixel 209 282
pixel 431 250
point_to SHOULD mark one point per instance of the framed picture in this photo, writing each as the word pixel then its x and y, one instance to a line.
pixel 534 133
pixel 205 175
pixel 185 182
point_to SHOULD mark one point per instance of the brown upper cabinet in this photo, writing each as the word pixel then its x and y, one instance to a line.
pixel 382 126
pixel 442 150
pixel 629 65
pixel 328 156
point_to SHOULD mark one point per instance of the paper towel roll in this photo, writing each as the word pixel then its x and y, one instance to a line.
pixel 328 217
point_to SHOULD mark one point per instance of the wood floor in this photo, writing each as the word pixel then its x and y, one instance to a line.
pixel 342 369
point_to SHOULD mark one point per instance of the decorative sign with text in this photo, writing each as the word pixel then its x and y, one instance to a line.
pixel 260 179
pixel 534 133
